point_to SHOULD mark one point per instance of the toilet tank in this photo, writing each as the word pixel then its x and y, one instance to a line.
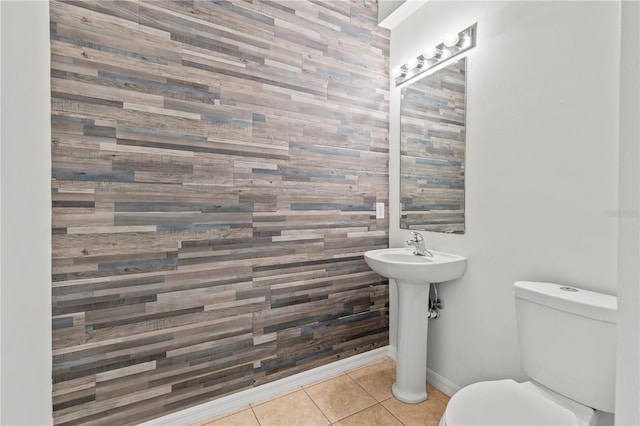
pixel 567 340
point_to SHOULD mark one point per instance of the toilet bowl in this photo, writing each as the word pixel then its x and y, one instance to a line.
pixel 567 344
pixel 506 402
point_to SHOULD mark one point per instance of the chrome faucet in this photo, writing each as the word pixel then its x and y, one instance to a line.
pixel 417 242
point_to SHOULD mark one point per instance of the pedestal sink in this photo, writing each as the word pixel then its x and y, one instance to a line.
pixel 413 275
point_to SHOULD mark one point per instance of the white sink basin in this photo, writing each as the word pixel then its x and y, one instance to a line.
pixel 413 276
pixel 401 264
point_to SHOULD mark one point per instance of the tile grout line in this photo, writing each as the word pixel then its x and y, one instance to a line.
pixel 346 373
pixel 377 402
pixel 389 411
pixel 255 415
pixel 314 401
pixel 367 392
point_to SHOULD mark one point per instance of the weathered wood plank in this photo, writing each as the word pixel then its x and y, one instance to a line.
pixel 214 171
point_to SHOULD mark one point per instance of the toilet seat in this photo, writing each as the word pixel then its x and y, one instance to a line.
pixel 506 402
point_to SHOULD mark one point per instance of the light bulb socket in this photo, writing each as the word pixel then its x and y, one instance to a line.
pixel 399 72
pixel 465 41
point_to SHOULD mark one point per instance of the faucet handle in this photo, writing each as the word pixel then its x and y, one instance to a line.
pixel 417 237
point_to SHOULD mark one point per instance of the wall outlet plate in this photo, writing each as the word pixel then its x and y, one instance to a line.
pixel 379 210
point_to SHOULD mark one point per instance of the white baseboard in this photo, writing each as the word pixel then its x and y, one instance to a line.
pixel 392 352
pixel 445 385
pixel 243 398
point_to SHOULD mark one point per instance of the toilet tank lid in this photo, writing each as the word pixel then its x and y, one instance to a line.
pixel 570 299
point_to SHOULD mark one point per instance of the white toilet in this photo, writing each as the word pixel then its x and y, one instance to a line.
pixel 567 348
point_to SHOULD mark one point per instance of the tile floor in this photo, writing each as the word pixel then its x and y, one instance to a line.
pixel 358 397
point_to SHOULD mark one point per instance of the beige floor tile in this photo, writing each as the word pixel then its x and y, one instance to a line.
pixel 376 415
pixel 292 409
pixel 376 378
pixel 348 398
pixel 437 393
pixel 339 397
pixel 242 418
pixel 426 413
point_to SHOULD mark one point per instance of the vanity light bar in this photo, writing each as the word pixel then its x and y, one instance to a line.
pixel 453 45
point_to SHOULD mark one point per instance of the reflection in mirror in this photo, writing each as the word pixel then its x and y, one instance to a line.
pixel 432 151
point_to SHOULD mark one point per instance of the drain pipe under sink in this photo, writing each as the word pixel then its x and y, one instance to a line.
pixel 435 304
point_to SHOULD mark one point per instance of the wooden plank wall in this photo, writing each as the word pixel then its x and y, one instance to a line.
pixel 432 151
pixel 215 169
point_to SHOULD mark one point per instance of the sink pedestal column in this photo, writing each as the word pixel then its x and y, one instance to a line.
pixel 411 356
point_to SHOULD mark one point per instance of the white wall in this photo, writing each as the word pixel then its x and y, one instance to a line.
pixel 628 383
pixel 387 7
pixel 26 215
pixel 542 167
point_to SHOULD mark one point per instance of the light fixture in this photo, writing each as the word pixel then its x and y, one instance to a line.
pixel 413 63
pixel 451 39
pixel 430 52
pixel 466 41
pixel 452 45
pixel 399 72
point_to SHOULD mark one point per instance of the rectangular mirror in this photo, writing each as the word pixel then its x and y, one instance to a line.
pixel 432 151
